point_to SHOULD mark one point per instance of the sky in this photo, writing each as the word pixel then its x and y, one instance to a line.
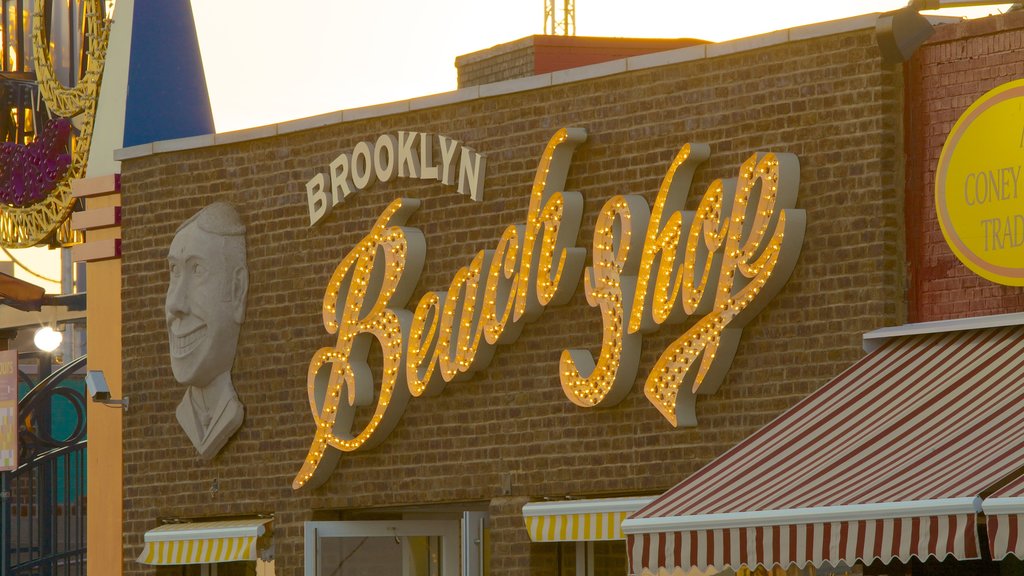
pixel 39 265
pixel 266 65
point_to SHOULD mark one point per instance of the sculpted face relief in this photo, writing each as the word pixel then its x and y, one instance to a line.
pixel 204 309
pixel 722 262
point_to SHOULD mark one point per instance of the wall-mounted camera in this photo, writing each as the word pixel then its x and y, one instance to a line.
pixel 99 391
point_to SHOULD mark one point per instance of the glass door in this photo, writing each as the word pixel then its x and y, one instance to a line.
pixel 399 547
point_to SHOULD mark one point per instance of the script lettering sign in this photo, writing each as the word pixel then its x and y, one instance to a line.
pixel 719 265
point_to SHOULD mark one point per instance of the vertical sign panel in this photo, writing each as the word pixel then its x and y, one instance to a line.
pixel 8 410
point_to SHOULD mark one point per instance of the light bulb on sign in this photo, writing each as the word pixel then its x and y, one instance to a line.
pixel 47 339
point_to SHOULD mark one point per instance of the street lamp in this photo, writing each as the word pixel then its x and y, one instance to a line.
pixel 47 339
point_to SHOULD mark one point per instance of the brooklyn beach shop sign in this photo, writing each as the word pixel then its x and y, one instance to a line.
pixel 649 267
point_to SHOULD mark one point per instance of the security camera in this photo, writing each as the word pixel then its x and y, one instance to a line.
pixel 97 383
pixel 100 392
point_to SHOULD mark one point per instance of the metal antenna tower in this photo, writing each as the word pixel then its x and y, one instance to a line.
pixel 567 25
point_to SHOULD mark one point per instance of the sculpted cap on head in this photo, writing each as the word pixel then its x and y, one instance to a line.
pixel 219 218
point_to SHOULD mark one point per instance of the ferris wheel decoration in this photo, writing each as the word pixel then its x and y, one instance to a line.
pixel 35 187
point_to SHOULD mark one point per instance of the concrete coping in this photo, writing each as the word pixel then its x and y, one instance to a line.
pixel 631 64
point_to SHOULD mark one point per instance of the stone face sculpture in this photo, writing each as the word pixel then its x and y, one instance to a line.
pixel 205 308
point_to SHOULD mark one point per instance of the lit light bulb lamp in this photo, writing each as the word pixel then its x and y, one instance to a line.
pixel 47 339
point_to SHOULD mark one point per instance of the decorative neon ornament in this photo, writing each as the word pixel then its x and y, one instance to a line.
pixel 32 223
pixel 30 173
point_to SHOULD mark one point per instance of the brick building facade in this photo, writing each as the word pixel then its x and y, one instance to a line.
pixel 509 436
pixel 956 67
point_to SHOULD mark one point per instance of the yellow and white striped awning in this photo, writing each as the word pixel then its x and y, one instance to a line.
pixel 580 520
pixel 203 542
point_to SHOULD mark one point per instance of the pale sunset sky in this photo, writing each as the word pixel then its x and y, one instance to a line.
pixel 269 61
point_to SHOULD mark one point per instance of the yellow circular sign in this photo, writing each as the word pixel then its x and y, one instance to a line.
pixel 979 186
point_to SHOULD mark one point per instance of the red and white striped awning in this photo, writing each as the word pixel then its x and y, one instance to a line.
pixel 1004 512
pixel 886 461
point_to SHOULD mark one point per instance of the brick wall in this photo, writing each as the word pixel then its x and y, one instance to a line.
pixel 946 75
pixel 542 54
pixel 827 100
pixel 502 62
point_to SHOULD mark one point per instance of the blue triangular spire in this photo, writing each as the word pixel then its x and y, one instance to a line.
pixel 167 96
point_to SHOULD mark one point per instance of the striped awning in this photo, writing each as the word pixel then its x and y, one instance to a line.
pixel 580 520
pixel 1004 512
pixel 203 542
pixel 886 461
